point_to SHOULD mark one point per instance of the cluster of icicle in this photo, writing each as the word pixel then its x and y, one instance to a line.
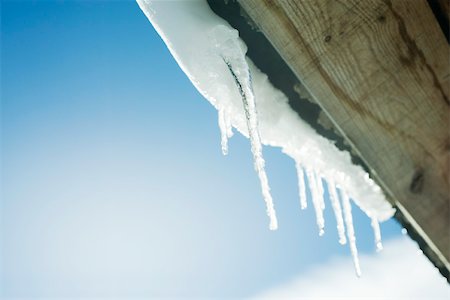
pixel 211 54
pixel 241 74
pixel 242 77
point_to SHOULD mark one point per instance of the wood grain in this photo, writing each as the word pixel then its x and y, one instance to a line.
pixel 380 70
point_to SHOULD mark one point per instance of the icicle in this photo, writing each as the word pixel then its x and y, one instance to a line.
pixel 377 234
pixel 248 100
pixel 315 200
pixel 334 199
pixel 228 126
pixel 350 231
pixel 223 131
pixel 301 186
pixel 320 190
pixel 200 62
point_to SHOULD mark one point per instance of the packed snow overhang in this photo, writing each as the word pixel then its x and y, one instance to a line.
pixel 369 71
pixel 213 56
pixel 374 78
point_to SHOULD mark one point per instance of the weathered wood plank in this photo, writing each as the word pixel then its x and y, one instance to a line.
pixel 380 70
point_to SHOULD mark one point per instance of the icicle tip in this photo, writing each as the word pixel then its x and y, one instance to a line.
pixel 273 226
pixel 343 241
pixel 379 247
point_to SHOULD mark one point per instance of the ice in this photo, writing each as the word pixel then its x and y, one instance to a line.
pixel 320 190
pixel 228 126
pixel 244 85
pixel 223 131
pixel 212 55
pixel 301 185
pixel 226 129
pixel 350 231
pixel 377 234
pixel 315 200
pixel 199 40
pixel 334 199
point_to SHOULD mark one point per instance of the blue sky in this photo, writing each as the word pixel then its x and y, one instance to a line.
pixel 113 181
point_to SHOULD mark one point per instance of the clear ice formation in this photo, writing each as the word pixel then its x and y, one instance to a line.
pixel 334 199
pixel 320 190
pixel 226 130
pixel 316 200
pixel 301 185
pixel 350 231
pixel 244 84
pixel 377 233
pixel 212 55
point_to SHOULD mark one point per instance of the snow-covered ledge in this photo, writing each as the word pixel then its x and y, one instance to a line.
pixel 212 55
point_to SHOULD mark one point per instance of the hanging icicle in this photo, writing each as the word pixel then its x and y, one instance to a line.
pixel 334 199
pixel 223 131
pixel 315 200
pixel 248 101
pixel 228 125
pixel 320 190
pixel 301 186
pixel 377 233
pixel 350 231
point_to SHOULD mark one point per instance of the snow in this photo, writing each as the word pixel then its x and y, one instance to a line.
pixel 212 55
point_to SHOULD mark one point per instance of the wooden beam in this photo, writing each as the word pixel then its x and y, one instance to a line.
pixel 380 70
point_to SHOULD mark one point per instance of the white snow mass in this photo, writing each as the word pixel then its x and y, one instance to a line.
pixel 212 55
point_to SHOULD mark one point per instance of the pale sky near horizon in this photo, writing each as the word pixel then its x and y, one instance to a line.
pixel 113 183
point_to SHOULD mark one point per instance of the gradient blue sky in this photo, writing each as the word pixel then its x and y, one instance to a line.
pixel 113 182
